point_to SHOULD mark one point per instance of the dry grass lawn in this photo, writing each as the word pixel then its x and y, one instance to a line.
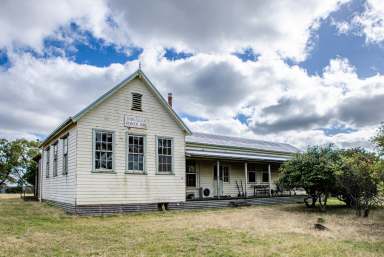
pixel 36 229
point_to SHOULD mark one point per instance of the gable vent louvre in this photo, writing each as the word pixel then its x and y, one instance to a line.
pixel 136 102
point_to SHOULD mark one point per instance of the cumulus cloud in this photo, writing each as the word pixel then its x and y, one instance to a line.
pixel 277 101
pixel 371 21
pixel 217 26
pixel 27 23
pixel 199 26
pixel 40 94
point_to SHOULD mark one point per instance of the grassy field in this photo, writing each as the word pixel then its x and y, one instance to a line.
pixel 36 229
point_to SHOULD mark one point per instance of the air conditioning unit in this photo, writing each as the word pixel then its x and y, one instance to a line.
pixel 205 192
pixel 191 196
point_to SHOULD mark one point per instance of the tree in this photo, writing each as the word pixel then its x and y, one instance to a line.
pixel 378 139
pixel 358 179
pixel 314 171
pixel 16 158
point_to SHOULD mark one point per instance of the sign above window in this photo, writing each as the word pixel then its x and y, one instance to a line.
pixel 134 122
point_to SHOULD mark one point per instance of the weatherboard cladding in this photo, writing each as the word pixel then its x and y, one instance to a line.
pixel 95 188
pixel 62 187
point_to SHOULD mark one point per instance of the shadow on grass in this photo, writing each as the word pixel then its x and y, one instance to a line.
pixel 334 208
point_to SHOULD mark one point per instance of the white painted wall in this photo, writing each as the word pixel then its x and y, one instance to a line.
pixel 119 187
pixel 62 187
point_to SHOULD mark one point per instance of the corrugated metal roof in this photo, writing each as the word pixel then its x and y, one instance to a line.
pixel 218 140
pixel 237 156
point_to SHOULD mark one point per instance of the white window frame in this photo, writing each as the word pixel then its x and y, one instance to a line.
pixel 65 154
pixel 55 158
pixel 47 161
pixel 172 156
pixel 187 172
pixel 222 169
pixel 127 170
pixel 103 170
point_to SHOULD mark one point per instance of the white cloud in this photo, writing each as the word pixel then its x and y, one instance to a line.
pixel 198 26
pixel 40 94
pixel 281 102
pixel 371 21
pixel 223 26
pixel 27 23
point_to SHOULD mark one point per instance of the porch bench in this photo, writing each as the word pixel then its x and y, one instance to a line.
pixel 260 190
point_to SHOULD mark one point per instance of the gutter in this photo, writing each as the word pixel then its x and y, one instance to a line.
pixel 57 131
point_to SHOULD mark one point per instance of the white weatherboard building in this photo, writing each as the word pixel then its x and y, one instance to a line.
pixel 129 151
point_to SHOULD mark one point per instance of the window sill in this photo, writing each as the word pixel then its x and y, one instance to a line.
pixel 104 171
pixel 165 173
pixel 135 173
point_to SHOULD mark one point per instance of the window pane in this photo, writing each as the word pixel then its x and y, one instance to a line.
pixel 98 136
pixel 109 156
pixel 97 164
pixel 130 165
pixel 98 146
pixel 251 177
pixel 109 165
pixel 109 137
pixel 265 177
pixel 191 180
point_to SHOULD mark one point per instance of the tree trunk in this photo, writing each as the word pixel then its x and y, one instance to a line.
pixel 323 201
pixel 310 201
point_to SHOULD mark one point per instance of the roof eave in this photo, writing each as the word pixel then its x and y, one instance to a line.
pixel 57 131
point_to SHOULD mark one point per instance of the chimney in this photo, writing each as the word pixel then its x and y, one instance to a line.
pixel 170 99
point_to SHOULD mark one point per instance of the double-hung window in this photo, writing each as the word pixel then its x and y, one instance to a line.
pixel 164 155
pixel 223 173
pixel 136 153
pixel 191 180
pixel 265 177
pixel 103 150
pixel 252 176
pixel 47 163
pixel 252 172
pixel 65 155
pixel 55 155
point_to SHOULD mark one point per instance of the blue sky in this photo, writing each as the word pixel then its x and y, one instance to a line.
pixel 293 77
pixel 326 43
pixel 329 43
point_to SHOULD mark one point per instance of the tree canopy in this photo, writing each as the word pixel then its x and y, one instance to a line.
pixel 378 139
pixel 312 170
pixel 355 176
pixel 16 160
